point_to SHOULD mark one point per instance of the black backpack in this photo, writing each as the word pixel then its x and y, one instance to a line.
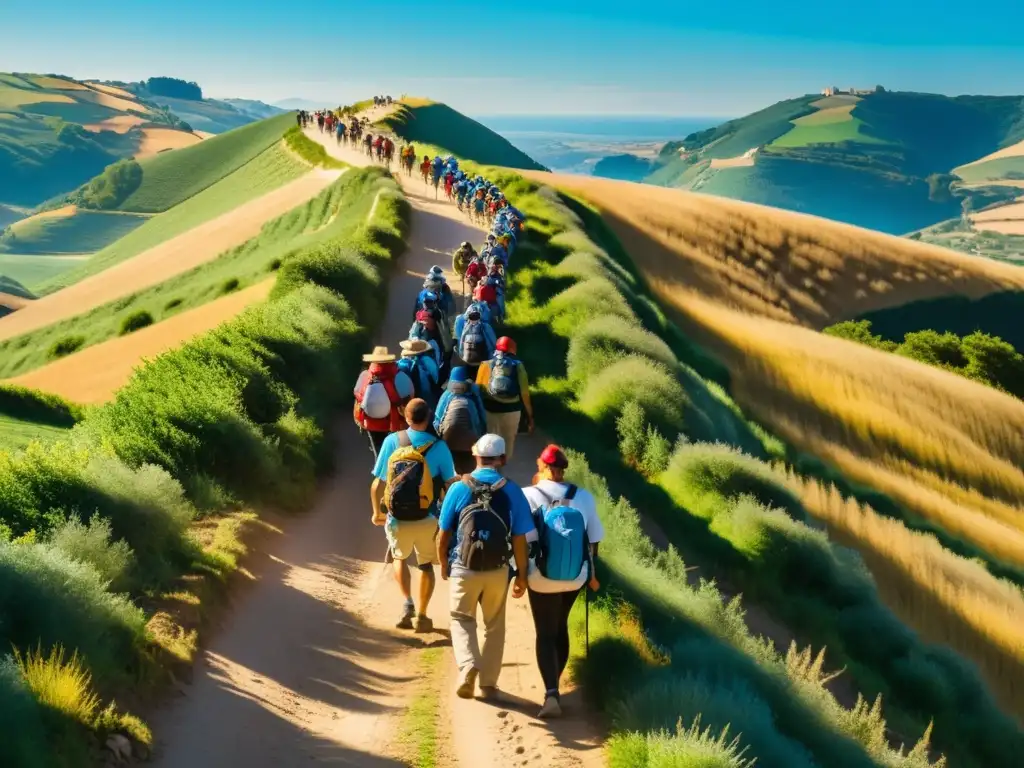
pixel 485 533
pixel 409 490
pixel 456 428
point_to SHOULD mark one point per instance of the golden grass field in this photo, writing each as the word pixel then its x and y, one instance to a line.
pixel 64 212
pixel 1014 150
pixel 96 373
pixel 118 124
pixel 1006 219
pixel 752 284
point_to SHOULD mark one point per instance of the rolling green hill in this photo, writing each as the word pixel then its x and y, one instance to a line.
pixel 440 125
pixel 883 160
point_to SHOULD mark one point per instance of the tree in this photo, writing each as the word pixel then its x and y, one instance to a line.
pixel 934 348
pixel 879 89
pixel 994 361
pixel 173 88
pixel 860 332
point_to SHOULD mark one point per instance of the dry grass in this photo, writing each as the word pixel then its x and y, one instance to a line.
pixel 57 83
pixel 787 266
pixel 107 100
pixel 118 124
pixel 947 598
pixel 110 90
pixel 1014 150
pixel 827 115
pixel 1006 219
pixel 156 140
pixel 64 212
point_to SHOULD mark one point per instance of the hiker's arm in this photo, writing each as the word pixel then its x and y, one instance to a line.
pixel 376 497
pixel 519 552
pixel 444 540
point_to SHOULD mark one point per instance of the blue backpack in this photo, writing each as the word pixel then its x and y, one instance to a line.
pixel 504 381
pixel 420 377
pixel 562 538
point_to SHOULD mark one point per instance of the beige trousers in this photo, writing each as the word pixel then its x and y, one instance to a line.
pixel 487 590
pixel 507 426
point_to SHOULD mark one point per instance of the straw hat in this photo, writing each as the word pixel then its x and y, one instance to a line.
pixel 379 355
pixel 413 347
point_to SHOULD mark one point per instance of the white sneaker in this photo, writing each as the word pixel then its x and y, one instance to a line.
pixel 467 683
pixel 551 708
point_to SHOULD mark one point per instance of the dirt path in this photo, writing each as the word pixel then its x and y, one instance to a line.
pixel 308 667
pixel 172 257
pixel 97 372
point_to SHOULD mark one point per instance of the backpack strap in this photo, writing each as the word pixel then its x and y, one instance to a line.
pixel 403 439
pixel 570 494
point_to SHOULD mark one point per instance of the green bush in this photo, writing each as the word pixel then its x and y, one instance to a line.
pixel 91 543
pixel 136 320
pixel 111 188
pixel 49 599
pixel 38 407
pixel 938 349
pixel 23 740
pixel 860 332
pixel 685 748
pixel 604 339
pixel 173 304
pixel 66 346
pixel 701 477
pixel 635 378
pixel 229 286
pixel 313 152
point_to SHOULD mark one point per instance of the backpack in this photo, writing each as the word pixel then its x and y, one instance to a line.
pixel 473 345
pixel 420 376
pixel 562 538
pixel 376 402
pixel 504 381
pixel 456 428
pixel 409 490
pixel 484 533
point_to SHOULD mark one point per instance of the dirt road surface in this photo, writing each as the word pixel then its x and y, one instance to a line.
pixel 308 667
pixel 170 258
pixel 96 373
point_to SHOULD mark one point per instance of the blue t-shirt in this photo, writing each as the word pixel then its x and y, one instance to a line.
pixel 439 459
pixel 459 497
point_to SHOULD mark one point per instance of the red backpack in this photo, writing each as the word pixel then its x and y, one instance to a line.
pixel 379 383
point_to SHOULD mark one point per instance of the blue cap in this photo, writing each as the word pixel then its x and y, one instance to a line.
pixel 459 374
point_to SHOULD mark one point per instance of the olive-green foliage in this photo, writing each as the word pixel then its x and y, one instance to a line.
pixel 635 379
pixel 978 355
pixel 66 345
pixel 91 543
pixel 39 407
pixel 691 747
pixel 607 337
pixel 313 152
pixel 23 739
pixel 111 188
pixel 135 320
pixel 172 177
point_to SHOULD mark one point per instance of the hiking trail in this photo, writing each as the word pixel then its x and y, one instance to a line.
pixel 307 666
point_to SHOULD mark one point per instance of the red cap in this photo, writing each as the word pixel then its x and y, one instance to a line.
pixel 553 456
pixel 423 316
pixel 505 344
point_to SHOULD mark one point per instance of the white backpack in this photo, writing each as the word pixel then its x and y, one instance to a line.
pixel 376 404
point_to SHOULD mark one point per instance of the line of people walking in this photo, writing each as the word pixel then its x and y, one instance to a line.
pixel 442 419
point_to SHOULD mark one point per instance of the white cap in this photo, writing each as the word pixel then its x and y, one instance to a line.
pixel 489 447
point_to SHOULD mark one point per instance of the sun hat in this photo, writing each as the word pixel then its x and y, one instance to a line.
pixel 379 355
pixel 489 447
pixel 553 456
pixel 413 347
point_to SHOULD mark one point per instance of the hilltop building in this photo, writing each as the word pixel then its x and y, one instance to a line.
pixel 832 90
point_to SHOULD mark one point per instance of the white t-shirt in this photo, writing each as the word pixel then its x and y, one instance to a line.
pixel 585 503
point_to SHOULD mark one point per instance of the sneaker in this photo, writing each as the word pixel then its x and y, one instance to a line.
pixel 467 682
pixel 424 624
pixel 551 708
pixel 408 612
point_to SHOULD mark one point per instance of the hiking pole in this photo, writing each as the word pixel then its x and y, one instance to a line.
pixel 586 613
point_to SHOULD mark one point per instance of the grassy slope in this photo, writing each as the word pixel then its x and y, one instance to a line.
pixel 83 232
pixel 993 170
pixel 441 125
pixel 26 416
pixel 33 272
pixel 171 178
pixel 332 214
pixel 265 172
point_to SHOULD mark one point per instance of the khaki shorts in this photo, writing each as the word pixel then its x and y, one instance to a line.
pixel 409 536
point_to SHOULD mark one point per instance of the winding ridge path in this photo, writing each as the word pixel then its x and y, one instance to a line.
pixel 307 667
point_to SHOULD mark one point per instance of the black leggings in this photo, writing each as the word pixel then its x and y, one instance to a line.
pixel 551 621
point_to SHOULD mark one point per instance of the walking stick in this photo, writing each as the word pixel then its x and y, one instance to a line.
pixel 586 611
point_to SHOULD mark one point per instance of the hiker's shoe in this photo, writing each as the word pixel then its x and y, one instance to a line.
pixel 551 708
pixel 408 613
pixel 424 624
pixel 467 682
pixel 489 692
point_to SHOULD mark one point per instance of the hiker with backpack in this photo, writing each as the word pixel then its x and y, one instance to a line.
pixel 506 391
pixel 460 419
pixel 476 339
pixel 484 521
pixel 412 471
pixel 381 393
pixel 420 365
pixel 563 548
pixel 435 281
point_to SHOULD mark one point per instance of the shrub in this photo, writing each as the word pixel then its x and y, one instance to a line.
pixel 136 320
pixel 62 686
pixel 860 332
pixel 939 349
pixel 341 269
pixel 274 265
pixel 49 599
pixel 585 300
pixel 66 346
pixel 23 739
pixel 685 747
pixel 39 407
pixel 173 304
pixel 703 476
pixel 90 543
pixel 230 285
pixel 635 378
pixel 111 188
pixel 604 339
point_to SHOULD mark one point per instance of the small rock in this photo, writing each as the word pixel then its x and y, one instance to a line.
pixel 503 714
pixel 520 750
pixel 119 746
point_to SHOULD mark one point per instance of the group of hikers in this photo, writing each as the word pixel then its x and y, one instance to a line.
pixel 442 420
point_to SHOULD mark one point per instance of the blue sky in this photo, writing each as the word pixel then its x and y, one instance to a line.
pixel 528 56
